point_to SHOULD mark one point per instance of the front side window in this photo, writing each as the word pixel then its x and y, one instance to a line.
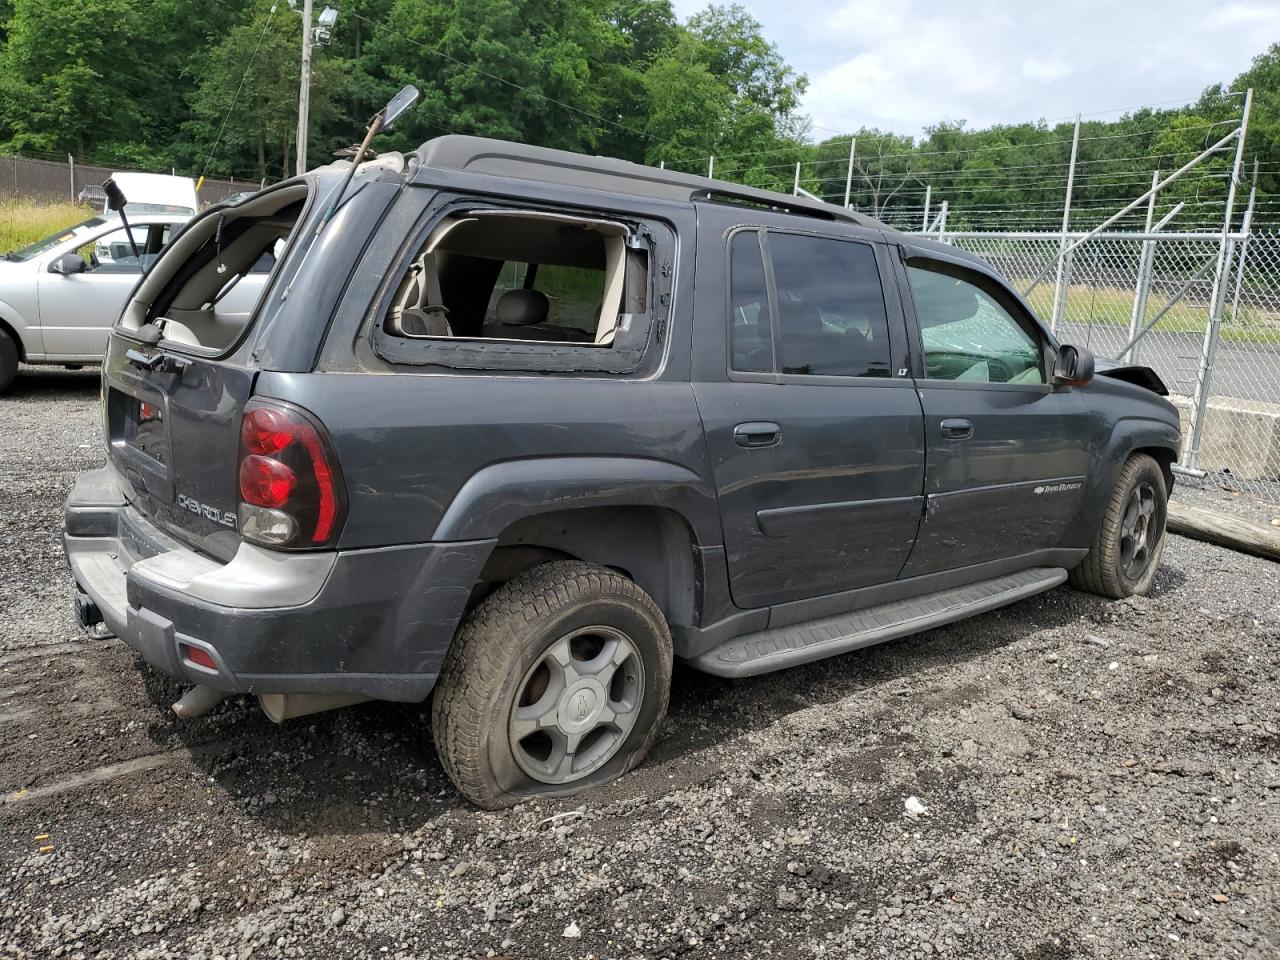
pixel 113 253
pixel 968 336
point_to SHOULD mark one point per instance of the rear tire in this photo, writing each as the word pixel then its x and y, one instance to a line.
pixel 1125 553
pixel 8 361
pixel 556 683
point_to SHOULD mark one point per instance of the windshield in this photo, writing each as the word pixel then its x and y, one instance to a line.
pixel 48 243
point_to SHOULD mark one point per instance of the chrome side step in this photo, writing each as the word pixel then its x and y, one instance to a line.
pixel 782 647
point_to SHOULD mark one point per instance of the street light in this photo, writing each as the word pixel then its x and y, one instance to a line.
pixel 323 32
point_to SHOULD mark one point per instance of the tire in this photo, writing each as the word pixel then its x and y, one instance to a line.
pixel 1125 553
pixel 8 361
pixel 507 709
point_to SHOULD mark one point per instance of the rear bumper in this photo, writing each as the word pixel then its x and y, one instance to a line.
pixel 373 622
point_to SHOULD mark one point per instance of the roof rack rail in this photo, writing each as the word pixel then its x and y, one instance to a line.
pixel 523 162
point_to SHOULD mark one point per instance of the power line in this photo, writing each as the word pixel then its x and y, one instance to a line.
pixel 244 76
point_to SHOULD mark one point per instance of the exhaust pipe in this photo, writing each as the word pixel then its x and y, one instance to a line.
pixel 198 700
pixel 285 706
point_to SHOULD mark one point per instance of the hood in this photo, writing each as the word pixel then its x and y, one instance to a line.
pixel 1136 374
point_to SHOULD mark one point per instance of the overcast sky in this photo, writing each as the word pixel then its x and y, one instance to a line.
pixel 903 64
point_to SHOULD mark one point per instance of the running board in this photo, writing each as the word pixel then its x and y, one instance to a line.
pixel 782 647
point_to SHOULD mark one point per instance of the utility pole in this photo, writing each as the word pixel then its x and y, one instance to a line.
pixel 304 88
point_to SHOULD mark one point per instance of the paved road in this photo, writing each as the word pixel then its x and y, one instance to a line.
pixel 1248 371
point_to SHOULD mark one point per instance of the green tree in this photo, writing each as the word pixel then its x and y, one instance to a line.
pixel 73 74
pixel 497 68
pixel 262 124
pixel 1263 142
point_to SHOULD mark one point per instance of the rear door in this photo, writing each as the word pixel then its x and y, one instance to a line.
pixel 814 429
pixel 1008 453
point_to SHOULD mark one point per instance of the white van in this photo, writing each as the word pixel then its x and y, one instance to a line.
pixel 156 193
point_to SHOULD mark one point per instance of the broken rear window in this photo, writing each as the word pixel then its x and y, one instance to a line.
pixel 488 287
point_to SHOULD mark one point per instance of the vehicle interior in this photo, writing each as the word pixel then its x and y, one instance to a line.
pixel 189 293
pixel 515 275
pixel 113 253
pixel 968 336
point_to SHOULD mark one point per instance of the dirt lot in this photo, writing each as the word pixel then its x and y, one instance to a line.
pixel 1100 780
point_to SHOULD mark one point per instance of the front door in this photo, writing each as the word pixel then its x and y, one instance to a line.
pixel 816 442
pixel 78 309
pixel 1008 452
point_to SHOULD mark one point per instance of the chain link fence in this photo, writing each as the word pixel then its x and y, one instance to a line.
pixel 46 180
pixel 1148 299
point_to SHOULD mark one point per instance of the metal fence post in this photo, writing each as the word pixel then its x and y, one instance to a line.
pixel 848 175
pixel 1063 280
pixel 1246 228
pixel 928 198
pixel 1143 287
pixel 71 168
pixel 711 165
pixel 795 187
pixel 1217 299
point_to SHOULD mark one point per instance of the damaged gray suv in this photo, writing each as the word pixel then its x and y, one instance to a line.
pixel 514 428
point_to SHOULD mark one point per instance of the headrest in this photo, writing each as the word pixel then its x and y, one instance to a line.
pixel 799 317
pixel 519 308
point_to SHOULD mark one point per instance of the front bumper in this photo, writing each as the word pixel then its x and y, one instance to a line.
pixel 373 622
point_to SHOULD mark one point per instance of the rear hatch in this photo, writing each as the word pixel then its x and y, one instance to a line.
pixel 173 433
pixel 179 368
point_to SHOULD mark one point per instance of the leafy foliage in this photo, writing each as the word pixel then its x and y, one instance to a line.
pixel 151 84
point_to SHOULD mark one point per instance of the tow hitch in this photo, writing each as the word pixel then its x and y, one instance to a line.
pixel 90 617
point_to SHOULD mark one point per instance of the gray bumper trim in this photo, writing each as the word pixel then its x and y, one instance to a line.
pixel 373 622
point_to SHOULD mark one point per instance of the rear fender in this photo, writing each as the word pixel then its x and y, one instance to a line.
pixel 503 493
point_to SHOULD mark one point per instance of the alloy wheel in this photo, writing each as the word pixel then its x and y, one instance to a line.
pixel 575 707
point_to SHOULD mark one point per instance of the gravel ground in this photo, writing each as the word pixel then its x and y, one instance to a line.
pixel 1093 779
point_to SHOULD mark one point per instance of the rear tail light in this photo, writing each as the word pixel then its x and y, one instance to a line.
pixel 291 492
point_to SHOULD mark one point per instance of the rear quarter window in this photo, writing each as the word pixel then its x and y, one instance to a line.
pixel 503 289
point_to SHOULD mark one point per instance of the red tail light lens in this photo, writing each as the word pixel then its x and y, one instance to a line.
pixel 265 482
pixel 290 489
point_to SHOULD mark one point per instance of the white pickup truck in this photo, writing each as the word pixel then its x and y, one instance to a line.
pixel 60 295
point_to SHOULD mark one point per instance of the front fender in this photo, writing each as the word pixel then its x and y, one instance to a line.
pixel 502 493
pixel 1128 434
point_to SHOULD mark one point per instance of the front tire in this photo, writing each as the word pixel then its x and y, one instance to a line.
pixel 1125 553
pixel 556 683
pixel 8 361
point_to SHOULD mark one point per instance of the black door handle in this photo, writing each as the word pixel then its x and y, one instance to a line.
pixel 758 433
pixel 957 428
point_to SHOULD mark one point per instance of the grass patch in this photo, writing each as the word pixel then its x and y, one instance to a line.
pixel 1113 306
pixel 23 222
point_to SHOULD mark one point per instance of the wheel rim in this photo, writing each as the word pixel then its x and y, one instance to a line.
pixel 576 706
pixel 1137 533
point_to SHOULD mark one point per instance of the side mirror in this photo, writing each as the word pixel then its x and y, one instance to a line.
pixel 67 264
pixel 398 104
pixel 1074 366
pixel 115 196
